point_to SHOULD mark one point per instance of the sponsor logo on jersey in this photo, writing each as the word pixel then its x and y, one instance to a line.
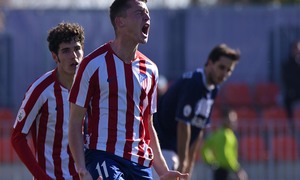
pixel 21 115
pixel 203 107
pixel 198 122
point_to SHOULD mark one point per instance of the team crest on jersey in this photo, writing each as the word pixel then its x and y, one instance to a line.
pixel 187 110
pixel 143 80
pixel 21 115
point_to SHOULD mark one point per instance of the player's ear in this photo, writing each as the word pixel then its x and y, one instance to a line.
pixel 209 62
pixel 55 57
pixel 120 21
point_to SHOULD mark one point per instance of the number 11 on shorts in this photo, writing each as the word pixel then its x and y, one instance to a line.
pixel 104 168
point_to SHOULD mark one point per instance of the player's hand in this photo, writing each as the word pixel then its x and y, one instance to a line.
pixel 84 174
pixel 183 167
pixel 242 175
pixel 174 175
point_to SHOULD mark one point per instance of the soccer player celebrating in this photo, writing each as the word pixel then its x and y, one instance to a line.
pixel 116 85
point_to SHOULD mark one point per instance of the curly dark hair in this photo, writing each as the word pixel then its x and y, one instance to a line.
pixel 64 32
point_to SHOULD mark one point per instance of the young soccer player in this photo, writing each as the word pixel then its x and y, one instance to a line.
pixel 184 110
pixel 45 109
pixel 116 85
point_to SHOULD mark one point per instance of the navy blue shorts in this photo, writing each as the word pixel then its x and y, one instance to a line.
pixel 112 167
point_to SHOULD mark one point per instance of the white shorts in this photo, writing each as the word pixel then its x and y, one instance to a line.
pixel 172 161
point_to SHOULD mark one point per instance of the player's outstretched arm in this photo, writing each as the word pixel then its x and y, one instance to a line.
pixel 193 152
pixel 183 149
pixel 76 140
pixel 159 164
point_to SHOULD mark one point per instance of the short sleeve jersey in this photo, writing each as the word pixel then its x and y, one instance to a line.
pixel 45 113
pixel 120 98
pixel 188 99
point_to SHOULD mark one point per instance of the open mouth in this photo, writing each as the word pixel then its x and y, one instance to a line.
pixel 145 29
pixel 74 64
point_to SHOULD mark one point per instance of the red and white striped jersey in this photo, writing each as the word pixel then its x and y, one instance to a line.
pixel 120 99
pixel 45 112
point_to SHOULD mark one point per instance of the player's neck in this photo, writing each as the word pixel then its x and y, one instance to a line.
pixel 208 81
pixel 126 51
pixel 64 79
